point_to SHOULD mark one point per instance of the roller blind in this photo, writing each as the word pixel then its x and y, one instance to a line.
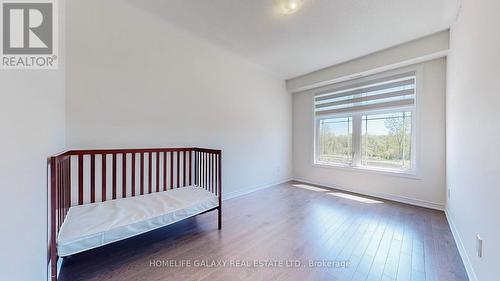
pixel 388 92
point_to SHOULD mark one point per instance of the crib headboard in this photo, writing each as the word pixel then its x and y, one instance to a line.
pixel 80 177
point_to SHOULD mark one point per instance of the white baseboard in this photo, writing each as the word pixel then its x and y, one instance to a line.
pixel 245 191
pixel 397 198
pixel 59 266
pixel 461 248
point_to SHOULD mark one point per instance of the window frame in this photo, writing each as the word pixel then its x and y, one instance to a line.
pixel 357 128
pixel 316 138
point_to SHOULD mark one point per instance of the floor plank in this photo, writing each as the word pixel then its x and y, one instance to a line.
pixel 292 231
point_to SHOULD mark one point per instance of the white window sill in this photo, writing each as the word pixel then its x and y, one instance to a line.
pixel 387 172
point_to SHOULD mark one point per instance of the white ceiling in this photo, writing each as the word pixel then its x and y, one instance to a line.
pixel 321 34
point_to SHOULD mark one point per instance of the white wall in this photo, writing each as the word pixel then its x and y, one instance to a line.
pixel 427 190
pixel 473 135
pixel 32 128
pixel 134 81
pixel 432 46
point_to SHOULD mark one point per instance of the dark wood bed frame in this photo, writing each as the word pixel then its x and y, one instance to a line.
pixel 181 167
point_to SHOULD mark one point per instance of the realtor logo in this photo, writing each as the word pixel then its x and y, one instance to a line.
pixel 28 35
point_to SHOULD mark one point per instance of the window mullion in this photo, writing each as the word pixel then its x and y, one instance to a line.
pixel 356 140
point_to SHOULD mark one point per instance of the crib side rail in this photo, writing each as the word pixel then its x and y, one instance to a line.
pixel 103 174
pixel 106 174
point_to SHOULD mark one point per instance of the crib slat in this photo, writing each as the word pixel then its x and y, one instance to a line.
pixel 92 178
pixel 208 171
pixel 190 167
pixel 80 179
pixel 55 192
pixel 150 171
pixel 61 190
pixel 202 169
pixel 64 176
pixel 178 168
pixel 64 187
pixel 58 194
pixel 62 194
pixel 184 168
pixel 67 186
pixel 171 170
pixel 132 184
pixel 213 172
pixel 103 177
pixel 124 175
pixel 219 184
pixel 157 171
pixel 142 173
pixel 58 204
pixel 209 174
pixel 196 170
pixel 216 169
pixel 64 180
pixel 219 173
pixel 114 176
pixel 164 171
pixel 68 202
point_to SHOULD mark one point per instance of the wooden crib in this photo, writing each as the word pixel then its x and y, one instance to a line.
pixel 83 179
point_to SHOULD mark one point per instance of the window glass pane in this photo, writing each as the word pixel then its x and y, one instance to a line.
pixel 335 140
pixel 386 141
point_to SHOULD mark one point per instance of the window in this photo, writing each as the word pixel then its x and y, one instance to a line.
pixel 386 141
pixel 335 140
pixel 368 124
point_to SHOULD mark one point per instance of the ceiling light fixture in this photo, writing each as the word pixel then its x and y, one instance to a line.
pixel 287 7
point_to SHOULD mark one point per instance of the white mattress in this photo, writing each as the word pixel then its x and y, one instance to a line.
pixel 93 225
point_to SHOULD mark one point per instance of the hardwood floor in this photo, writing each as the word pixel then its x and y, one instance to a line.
pixel 292 223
